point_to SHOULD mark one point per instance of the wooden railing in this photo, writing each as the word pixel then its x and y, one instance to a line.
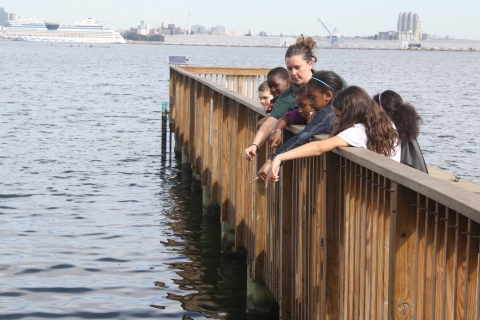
pixel 347 235
pixel 238 79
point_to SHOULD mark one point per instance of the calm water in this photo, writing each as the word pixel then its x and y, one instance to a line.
pixel 93 224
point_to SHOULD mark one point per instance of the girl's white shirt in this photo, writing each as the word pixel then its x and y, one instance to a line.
pixel 356 136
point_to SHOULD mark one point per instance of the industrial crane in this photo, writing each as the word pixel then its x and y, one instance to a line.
pixel 334 35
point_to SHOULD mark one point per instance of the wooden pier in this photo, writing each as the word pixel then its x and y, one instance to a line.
pixel 347 235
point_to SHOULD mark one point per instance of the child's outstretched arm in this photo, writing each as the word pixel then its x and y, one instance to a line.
pixel 311 149
pixel 276 134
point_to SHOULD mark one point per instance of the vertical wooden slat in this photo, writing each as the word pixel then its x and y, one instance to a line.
pixel 451 285
pixel 429 258
pixel 461 272
pixel 440 262
pixel 380 261
pixel 333 194
pixel 286 213
pixel 216 164
pixel 472 279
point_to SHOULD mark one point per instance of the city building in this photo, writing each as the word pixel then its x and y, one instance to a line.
pixel 198 29
pixel 3 17
pixel 143 28
pixel 389 35
pixel 171 30
pixel 233 33
pixel 13 16
pixel 218 31
pixel 409 26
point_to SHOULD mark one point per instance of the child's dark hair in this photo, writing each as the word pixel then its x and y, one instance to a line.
pixel 280 72
pixel 301 90
pixel 303 47
pixel 358 107
pixel 404 116
pixel 326 80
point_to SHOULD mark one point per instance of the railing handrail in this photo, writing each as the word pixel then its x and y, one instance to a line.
pixel 459 199
pixel 225 70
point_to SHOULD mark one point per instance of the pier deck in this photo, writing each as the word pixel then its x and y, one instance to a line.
pixel 346 235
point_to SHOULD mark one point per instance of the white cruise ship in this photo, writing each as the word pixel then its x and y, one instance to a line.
pixel 88 31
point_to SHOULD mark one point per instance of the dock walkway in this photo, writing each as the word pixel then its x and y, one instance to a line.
pixel 346 235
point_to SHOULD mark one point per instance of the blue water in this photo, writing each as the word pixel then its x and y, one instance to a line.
pixel 95 224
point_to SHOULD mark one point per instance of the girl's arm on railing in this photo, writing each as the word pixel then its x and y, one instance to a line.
pixel 311 149
pixel 260 138
pixel 276 134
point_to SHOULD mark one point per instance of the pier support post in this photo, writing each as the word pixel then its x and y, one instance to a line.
pixel 178 148
pixel 196 180
pixel 228 238
pixel 259 298
pixel 209 207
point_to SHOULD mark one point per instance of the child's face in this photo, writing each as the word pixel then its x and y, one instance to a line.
pixel 338 115
pixel 317 99
pixel 265 98
pixel 304 107
pixel 277 85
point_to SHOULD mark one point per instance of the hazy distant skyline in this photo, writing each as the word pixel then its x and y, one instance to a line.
pixel 365 18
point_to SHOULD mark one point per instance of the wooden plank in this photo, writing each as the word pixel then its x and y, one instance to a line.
pixel 380 248
pixel 205 118
pixel 389 225
pixel 363 242
pixel 473 281
pixel 226 179
pixel 357 231
pixel 441 261
pixel 429 259
pixel 405 254
pixel 367 176
pixel 350 230
pixel 333 195
pixel 260 212
pixel 216 164
pixel 451 285
pixel 461 271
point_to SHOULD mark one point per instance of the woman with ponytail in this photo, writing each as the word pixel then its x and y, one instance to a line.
pixel 407 122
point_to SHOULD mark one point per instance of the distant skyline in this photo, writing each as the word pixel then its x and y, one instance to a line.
pixel 365 18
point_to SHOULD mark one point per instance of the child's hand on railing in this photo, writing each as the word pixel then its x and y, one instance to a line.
pixel 275 139
pixel 250 152
pixel 262 173
pixel 272 174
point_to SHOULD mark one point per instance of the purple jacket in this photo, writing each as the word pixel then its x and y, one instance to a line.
pixel 295 117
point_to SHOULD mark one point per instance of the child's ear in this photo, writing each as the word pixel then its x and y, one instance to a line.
pixel 329 95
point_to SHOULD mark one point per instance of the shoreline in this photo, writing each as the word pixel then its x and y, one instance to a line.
pixel 133 42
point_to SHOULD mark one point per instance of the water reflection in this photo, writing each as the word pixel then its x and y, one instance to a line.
pixel 213 284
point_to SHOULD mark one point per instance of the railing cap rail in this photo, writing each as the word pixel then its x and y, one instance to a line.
pixel 226 70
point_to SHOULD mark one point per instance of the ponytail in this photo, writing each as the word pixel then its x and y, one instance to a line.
pixel 406 119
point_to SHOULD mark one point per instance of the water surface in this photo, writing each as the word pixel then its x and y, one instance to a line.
pixel 95 224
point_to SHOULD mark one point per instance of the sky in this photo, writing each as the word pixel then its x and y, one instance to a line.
pixel 351 18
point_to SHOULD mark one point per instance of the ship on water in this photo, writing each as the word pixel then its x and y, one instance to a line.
pixel 87 31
